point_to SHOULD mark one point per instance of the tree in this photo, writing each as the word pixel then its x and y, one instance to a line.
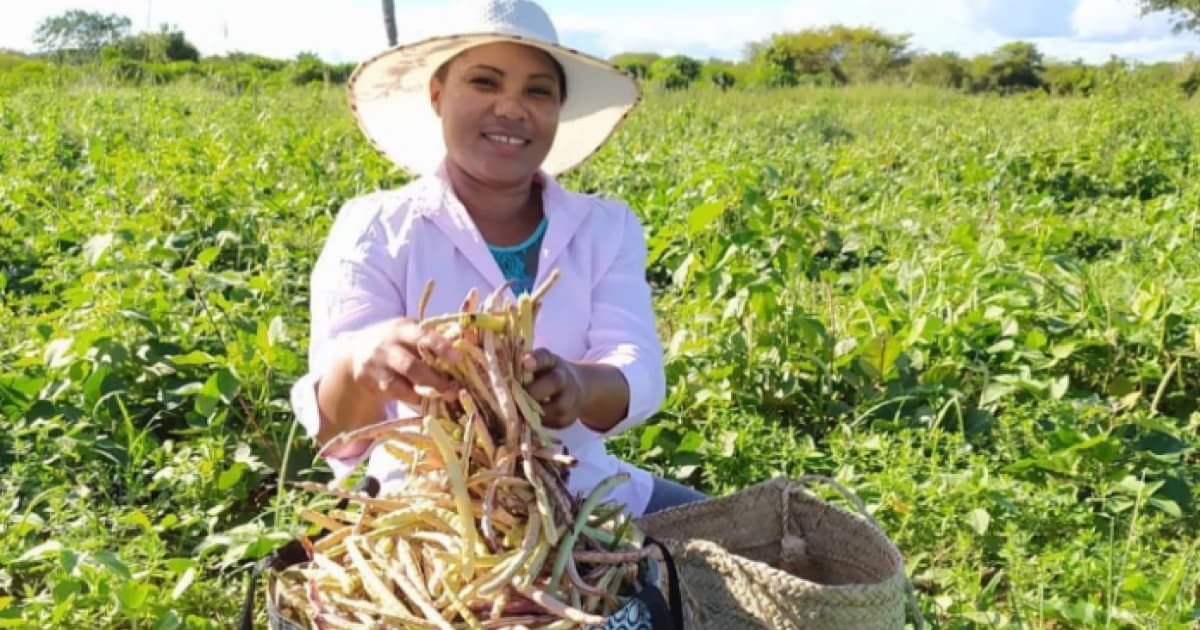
pixel 168 44
pixel 1013 67
pixel 635 64
pixel 676 72
pixel 1185 14
pixel 82 31
pixel 721 74
pixel 1073 79
pixel 836 54
pixel 389 21
pixel 944 70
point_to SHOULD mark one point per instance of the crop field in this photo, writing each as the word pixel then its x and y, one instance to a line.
pixel 980 313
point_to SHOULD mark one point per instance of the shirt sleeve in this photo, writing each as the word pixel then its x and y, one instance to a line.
pixel 622 332
pixel 349 290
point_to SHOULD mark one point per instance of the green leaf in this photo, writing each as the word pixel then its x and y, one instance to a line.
pixel 222 385
pixel 183 583
pixel 701 217
pixel 277 333
pixel 132 596
pixel 231 476
pixel 995 392
pixel 195 357
pixel 1063 350
pixel 979 519
pixel 96 246
pixel 1035 339
pixel 880 353
pixel 1004 345
pixel 1168 507
pixel 650 436
pixel 205 258
pixel 58 353
pixel 50 547
pixel 139 518
pixel 691 442
pixel 1058 387
pixel 113 563
pixel 169 621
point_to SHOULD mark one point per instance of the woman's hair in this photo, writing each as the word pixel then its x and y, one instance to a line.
pixel 558 69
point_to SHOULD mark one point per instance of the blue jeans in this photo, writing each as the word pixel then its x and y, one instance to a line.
pixel 668 494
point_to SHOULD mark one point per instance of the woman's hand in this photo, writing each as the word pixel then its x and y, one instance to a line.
pixel 383 363
pixel 592 393
pixel 557 385
pixel 386 360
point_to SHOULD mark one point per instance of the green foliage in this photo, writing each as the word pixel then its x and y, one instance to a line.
pixel 1014 67
pixel 940 70
pixel 162 47
pixel 636 65
pixel 80 31
pixel 836 54
pixel 20 71
pixel 1184 13
pixel 675 72
pixel 720 74
pixel 990 333
pixel 1075 79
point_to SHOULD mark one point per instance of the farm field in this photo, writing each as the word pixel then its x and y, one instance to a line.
pixel 980 313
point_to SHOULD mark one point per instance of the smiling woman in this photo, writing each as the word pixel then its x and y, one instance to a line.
pixel 483 114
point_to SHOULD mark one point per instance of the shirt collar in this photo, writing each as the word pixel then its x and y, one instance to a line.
pixel 564 215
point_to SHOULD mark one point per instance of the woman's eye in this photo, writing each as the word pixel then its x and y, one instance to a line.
pixel 540 91
pixel 483 82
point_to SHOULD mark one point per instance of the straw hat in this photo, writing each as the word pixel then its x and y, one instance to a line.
pixel 389 93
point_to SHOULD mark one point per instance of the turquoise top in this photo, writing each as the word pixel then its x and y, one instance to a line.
pixel 519 262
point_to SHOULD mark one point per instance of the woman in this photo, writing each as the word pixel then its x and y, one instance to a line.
pixel 488 114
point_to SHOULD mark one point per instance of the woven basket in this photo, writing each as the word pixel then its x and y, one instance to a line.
pixel 774 556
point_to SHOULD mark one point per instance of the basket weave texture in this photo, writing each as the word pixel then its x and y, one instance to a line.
pixel 774 556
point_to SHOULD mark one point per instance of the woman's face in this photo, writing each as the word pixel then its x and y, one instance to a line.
pixel 499 105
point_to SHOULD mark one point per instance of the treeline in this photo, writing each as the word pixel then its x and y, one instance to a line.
pixel 841 55
pixel 82 44
pixel 79 45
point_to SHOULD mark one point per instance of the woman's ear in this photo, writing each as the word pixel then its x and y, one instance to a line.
pixel 435 94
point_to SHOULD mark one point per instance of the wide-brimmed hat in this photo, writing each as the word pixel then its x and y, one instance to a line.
pixel 389 93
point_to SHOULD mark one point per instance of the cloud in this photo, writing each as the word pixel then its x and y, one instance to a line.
pixel 1117 21
pixel 724 32
pixel 1023 18
pixel 703 33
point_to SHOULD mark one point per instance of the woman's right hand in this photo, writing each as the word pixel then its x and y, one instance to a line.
pixel 382 363
pixel 385 360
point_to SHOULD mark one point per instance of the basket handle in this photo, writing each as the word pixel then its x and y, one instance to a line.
pixel 853 498
pixel 664 614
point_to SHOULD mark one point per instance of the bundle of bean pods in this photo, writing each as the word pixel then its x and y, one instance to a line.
pixel 483 532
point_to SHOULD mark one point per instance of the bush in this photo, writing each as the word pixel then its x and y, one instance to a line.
pixel 163 46
pixel 676 72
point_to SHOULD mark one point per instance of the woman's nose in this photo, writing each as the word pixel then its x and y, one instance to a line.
pixel 509 105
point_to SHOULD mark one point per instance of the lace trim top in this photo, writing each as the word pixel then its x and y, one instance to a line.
pixel 519 262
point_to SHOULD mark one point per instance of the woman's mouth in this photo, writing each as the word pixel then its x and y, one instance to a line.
pixel 504 139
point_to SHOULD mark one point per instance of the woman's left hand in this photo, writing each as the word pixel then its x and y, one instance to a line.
pixel 558 385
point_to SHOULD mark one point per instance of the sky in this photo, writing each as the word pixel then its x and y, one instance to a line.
pixel 351 30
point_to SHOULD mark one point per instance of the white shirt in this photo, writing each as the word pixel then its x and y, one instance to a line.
pixel 383 247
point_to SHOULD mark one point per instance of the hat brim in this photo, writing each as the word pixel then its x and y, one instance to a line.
pixel 389 95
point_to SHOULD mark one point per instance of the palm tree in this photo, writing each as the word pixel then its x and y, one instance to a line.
pixel 389 20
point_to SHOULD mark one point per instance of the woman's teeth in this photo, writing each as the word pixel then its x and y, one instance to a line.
pixel 506 139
